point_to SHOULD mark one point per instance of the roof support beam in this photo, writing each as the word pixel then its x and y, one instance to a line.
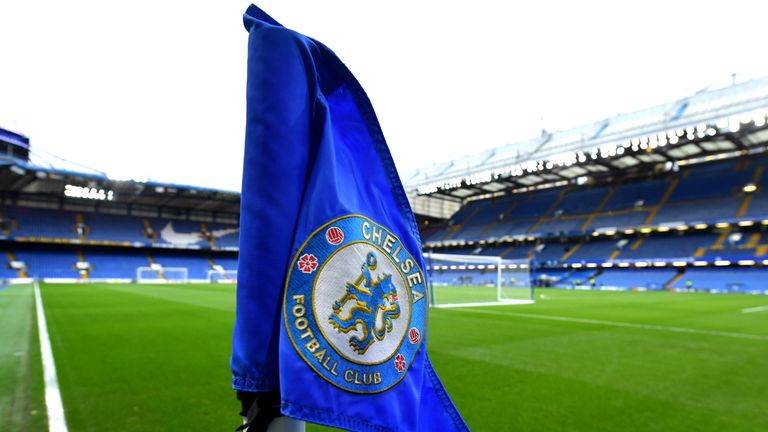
pixel 736 140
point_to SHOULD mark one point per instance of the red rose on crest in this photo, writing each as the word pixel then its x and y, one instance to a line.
pixel 307 263
pixel 400 362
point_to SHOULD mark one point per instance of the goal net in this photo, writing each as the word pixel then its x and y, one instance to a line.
pixel 475 280
pixel 160 274
pixel 222 276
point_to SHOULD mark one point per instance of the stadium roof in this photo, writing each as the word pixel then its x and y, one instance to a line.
pixel 724 122
pixel 20 180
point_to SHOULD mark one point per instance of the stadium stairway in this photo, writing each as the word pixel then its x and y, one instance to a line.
pixel 149 232
pixel 718 244
pixel 207 235
pixel 80 222
pixel 747 199
pixel 455 228
pixel 668 193
pixel 152 261
pixel 507 251
pixel 669 284
pixel 85 274
pixel 11 257
pixel 615 254
pixel 571 251
pixel 700 251
pixel 8 225
pixel 492 225
pixel 599 208
pixel 545 217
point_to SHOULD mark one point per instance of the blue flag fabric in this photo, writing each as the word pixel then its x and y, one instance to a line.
pixel 332 295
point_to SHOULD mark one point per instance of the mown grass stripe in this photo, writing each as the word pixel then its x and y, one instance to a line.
pixel 654 327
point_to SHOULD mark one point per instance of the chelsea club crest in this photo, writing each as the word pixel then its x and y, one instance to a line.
pixel 355 305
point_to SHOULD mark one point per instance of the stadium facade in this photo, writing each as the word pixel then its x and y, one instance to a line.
pixel 669 197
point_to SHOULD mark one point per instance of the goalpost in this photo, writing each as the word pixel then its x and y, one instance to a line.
pixel 477 280
pixel 160 274
pixel 222 276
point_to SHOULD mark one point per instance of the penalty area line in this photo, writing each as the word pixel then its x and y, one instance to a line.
pixel 54 406
pixel 622 324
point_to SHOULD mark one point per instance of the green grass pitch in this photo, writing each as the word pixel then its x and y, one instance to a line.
pixel 155 358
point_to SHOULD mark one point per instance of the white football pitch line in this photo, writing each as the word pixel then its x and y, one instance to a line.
pixel 56 421
pixel 622 324
pixel 755 309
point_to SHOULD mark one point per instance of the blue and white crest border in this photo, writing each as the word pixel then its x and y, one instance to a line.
pixel 300 317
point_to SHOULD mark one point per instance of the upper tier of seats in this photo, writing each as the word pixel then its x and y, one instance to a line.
pixel 28 223
pixel 698 194
pixel 727 244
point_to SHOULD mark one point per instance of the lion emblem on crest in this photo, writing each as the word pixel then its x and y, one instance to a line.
pixel 369 304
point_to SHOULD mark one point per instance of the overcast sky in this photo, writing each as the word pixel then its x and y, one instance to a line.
pixel 155 89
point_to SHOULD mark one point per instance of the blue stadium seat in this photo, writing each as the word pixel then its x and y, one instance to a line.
pixel 114 227
pixel 674 246
pixel 628 194
pixel 633 278
pixel 743 280
pixel 594 250
pixel 582 201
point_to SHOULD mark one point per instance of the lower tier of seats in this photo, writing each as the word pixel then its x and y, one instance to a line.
pixel 67 262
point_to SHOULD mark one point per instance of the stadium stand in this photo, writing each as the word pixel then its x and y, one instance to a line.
pixel 671 197
pixel 685 216
pixel 114 228
pixel 117 263
pixel 747 280
pixel 645 200
pixel 62 225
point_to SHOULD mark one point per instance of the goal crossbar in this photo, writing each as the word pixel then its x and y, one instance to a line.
pixel 223 275
pixel 162 274
pixel 451 262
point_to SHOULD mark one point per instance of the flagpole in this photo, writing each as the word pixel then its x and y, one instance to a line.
pixel 286 424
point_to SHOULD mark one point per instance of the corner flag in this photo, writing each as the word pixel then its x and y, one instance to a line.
pixel 332 295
